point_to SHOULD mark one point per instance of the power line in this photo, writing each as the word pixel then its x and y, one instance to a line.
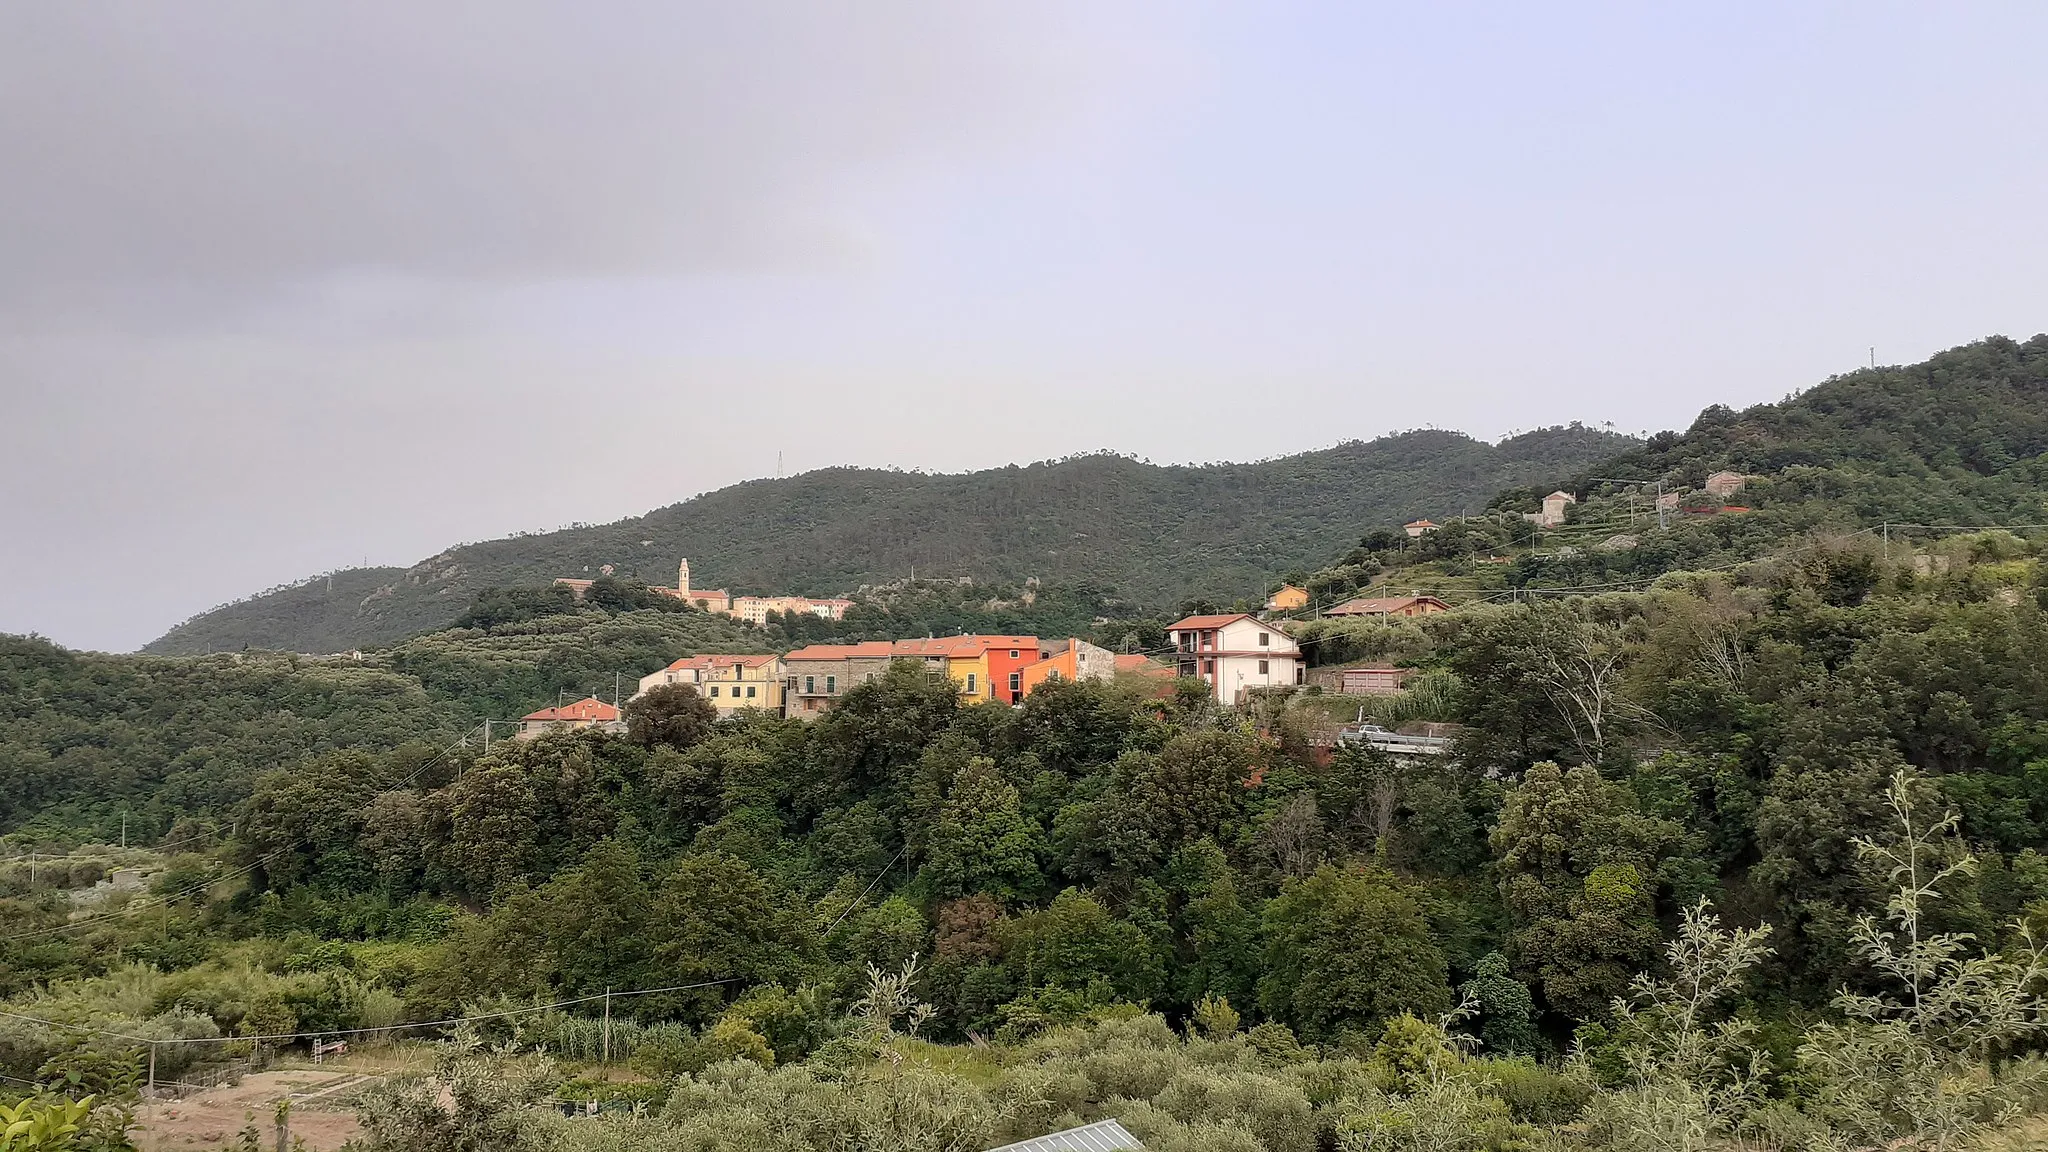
pixel 443 1023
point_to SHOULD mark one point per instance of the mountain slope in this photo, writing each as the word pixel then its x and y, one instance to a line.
pixel 1154 533
pixel 1961 438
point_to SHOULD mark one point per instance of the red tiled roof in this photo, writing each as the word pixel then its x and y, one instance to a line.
pixel 962 645
pixel 721 660
pixel 1143 665
pixel 1379 605
pixel 1199 622
pixel 865 650
pixel 589 709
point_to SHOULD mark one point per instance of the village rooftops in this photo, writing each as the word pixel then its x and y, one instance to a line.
pixel 586 711
pixel 1389 606
pixel 713 660
pixel 1204 623
pixel 864 650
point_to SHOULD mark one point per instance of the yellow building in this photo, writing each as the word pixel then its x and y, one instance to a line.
pixel 730 682
pixel 1287 599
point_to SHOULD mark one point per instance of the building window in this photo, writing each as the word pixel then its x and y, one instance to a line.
pixel 1013 653
pixel 714 691
pixel 1300 674
pixel 1262 665
pixel 831 685
pixel 1016 682
pixel 970 683
pixel 1208 667
pixel 1265 640
pixel 810 685
pixel 750 691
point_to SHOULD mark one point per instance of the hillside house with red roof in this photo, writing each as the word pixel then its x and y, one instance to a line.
pixel 589 712
pixel 1235 654
pixel 1389 607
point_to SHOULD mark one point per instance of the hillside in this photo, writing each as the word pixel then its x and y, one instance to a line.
pixel 1152 533
pixel 1961 438
pixel 85 737
pixel 1902 454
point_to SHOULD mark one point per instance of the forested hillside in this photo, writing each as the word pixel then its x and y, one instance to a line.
pixel 1153 534
pixel 1195 919
pixel 1959 439
pixel 85 738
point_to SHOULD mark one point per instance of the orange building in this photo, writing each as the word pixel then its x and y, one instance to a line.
pixel 986 667
pixel 1288 599
pixel 1072 660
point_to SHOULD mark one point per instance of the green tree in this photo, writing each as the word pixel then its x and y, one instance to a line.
pixel 1345 951
pixel 1077 945
pixel 1507 1012
pixel 981 841
pixel 598 913
pixel 1574 851
pixel 492 829
pixel 716 919
pixel 669 716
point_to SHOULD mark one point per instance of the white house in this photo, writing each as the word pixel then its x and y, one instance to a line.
pixel 1235 653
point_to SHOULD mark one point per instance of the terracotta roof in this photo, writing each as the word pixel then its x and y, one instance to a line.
pixel 865 650
pixel 589 709
pixel 1380 605
pixel 721 660
pixel 1413 523
pixel 962 645
pixel 1144 665
pixel 1198 622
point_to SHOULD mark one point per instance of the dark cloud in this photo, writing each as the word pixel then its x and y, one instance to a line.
pixel 162 152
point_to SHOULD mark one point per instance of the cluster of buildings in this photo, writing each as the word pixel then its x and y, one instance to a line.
pixel 809 681
pixel 753 609
pixel 1232 654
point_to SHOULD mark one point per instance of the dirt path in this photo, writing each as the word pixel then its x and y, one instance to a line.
pixel 215 1118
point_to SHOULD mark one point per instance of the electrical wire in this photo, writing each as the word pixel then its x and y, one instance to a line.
pixel 448 1022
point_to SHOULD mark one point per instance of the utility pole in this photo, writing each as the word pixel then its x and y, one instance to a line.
pixel 1887 540
pixel 607 1025
pixel 124 828
pixel 487 737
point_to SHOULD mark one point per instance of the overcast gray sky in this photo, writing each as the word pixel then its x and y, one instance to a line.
pixel 288 287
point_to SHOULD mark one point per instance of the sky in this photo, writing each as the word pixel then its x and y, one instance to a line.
pixel 288 288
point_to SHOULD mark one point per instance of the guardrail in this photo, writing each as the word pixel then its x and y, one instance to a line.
pixel 1386 740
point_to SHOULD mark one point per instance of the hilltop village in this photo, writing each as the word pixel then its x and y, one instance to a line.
pixel 1237 654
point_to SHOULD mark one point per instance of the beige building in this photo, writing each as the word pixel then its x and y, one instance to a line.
pixel 815 677
pixel 729 681
pixel 1725 484
pixel 1235 654
pixel 586 713
pixel 1553 513
pixel 1389 606
pixel 756 609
